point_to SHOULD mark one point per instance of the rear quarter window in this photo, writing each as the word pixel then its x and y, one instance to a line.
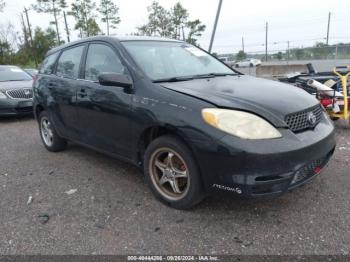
pixel 48 64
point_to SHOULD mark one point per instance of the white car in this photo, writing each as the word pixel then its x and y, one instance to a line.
pixel 249 62
pixel 227 60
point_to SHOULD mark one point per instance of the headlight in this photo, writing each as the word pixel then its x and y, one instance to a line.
pixel 240 124
pixel 2 95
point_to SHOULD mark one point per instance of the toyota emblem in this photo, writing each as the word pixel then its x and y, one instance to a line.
pixel 311 118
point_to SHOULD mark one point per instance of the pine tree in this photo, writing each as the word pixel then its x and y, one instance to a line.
pixel 109 12
pixel 53 7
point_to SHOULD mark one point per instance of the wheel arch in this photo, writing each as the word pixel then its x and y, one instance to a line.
pixel 152 133
pixel 37 110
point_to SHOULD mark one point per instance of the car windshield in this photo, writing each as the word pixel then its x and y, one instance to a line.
pixel 11 73
pixel 161 60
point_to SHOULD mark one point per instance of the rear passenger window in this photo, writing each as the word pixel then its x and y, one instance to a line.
pixel 102 59
pixel 69 62
pixel 48 64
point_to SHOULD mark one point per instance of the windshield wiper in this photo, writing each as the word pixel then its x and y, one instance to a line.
pixel 173 79
pixel 211 75
pixel 187 78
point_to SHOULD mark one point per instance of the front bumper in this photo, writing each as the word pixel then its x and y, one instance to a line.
pixel 260 168
pixel 11 107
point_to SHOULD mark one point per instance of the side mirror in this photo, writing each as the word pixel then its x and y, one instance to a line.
pixel 114 79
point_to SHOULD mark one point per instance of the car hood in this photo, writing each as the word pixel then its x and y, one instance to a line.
pixel 270 99
pixel 9 85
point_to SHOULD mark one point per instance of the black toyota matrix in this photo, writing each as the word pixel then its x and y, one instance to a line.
pixel 194 125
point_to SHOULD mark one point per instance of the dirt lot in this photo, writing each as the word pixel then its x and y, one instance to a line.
pixel 113 212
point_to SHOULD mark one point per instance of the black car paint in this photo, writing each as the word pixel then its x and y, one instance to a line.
pixel 117 120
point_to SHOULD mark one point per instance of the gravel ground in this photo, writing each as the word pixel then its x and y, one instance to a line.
pixel 113 212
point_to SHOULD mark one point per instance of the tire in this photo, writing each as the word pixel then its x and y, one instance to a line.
pixel 51 140
pixel 236 66
pixel 251 65
pixel 181 170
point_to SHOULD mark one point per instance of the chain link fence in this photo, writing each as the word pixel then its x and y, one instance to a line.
pixel 318 52
pixel 322 57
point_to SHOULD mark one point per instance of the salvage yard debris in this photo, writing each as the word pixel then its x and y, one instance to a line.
pixel 30 200
pixel 43 218
pixel 71 192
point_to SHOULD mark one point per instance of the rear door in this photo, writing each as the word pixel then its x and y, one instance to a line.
pixel 104 112
pixel 63 92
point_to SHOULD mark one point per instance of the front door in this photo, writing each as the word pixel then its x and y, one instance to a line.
pixel 104 111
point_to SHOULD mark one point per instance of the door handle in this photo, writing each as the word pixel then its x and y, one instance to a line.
pixel 51 85
pixel 82 93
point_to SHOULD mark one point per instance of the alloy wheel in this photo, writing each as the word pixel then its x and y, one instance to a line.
pixel 46 131
pixel 169 173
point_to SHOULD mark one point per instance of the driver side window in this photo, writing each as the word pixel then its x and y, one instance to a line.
pixel 102 59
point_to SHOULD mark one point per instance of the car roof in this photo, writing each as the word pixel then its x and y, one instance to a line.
pixel 9 66
pixel 112 38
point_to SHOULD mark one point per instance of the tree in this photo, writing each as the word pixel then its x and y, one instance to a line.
pixel 171 23
pixel 53 7
pixel 92 27
pixel 43 41
pixel 82 11
pixel 109 12
pixel 241 55
pixel 159 21
pixel 179 17
pixel 299 53
pixel 279 56
pixel 196 28
pixel 320 50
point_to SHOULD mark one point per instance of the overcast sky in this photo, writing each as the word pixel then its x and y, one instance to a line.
pixel 300 22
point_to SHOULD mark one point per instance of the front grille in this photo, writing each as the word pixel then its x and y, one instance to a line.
pixel 24 93
pixel 300 121
pixel 309 170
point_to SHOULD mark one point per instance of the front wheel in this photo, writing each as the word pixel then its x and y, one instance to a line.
pixel 172 173
pixel 52 141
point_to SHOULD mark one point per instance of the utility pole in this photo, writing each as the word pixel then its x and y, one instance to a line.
pixel 25 32
pixel 65 22
pixel 31 37
pixel 267 26
pixel 243 44
pixel 329 22
pixel 215 25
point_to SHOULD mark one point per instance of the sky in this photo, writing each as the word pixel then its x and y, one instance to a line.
pixel 300 22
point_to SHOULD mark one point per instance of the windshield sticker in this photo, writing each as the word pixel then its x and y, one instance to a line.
pixel 195 51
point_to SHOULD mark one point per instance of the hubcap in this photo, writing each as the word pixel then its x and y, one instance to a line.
pixel 46 131
pixel 169 173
